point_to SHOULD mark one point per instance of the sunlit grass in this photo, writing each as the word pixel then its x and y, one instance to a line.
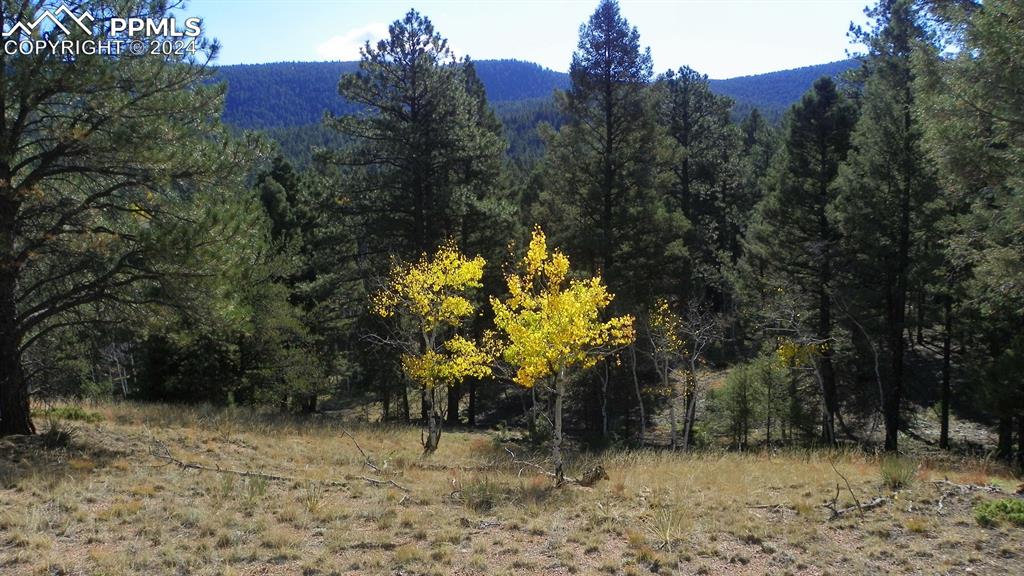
pixel 91 507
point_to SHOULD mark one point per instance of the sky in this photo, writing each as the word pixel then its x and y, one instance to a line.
pixel 720 38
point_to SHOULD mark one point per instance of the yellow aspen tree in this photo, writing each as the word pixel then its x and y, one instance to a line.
pixel 665 334
pixel 431 294
pixel 550 325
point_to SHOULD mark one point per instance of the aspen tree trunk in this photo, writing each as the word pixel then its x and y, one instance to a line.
pixel 604 402
pixel 666 381
pixel 556 439
pixel 430 395
pixel 691 407
pixel 471 417
pixel 639 397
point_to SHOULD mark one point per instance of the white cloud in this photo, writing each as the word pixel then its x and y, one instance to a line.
pixel 346 46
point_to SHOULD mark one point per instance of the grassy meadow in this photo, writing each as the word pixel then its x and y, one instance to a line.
pixel 118 489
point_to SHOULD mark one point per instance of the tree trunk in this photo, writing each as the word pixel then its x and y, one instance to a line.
pixel 666 381
pixel 405 403
pixel 385 400
pixel 531 414
pixel 426 406
pixel 891 415
pixel 920 316
pixel 826 373
pixel 672 417
pixel 308 403
pixel 828 415
pixel 639 397
pixel 471 416
pixel 556 437
pixel 1004 449
pixel 454 395
pixel 795 412
pixel 947 338
pixel 691 408
pixel 770 406
pixel 15 415
pixel 433 417
pixel 897 312
pixel 1020 440
pixel 604 402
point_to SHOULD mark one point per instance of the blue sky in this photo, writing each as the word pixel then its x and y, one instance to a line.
pixel 721 38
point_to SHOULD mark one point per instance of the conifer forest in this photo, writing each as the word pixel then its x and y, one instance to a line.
pixel 422 314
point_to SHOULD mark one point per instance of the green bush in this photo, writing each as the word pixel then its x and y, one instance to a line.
pixel 73 412
pixel 897 472
pixel 993 512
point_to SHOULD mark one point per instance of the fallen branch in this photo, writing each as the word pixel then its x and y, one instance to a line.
pixel 524 464
pixel 772 507
pixel 588 480
pixel 434 466
pixel 967 488
pixel 366 459
pixel 856 501
pixel 161 452
pixel 838 512
pixel 379 482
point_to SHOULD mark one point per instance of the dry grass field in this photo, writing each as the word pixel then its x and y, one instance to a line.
pixel 115 499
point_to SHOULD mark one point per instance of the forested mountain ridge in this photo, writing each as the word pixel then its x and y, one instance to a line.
pixel 287 94
pixel 774 92
pixel 284 94
pixel 637 286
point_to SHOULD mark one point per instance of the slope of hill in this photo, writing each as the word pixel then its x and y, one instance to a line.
pixel 288 94
pixel 288 99
pixel 773 93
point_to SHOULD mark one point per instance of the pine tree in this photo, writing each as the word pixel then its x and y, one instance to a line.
pixel 887 186
pixel 700 170
pixel 424 143
pixel 973 130
pixel 96 154
pixel 424 159
pixel 600 168
pixel 794 242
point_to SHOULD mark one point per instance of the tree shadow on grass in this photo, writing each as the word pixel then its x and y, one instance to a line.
pixel 58 454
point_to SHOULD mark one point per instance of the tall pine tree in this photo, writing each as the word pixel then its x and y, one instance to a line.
pixel 794 242
pixel 974 131
pixel 97 154
pixel 887 186
pixel 601 202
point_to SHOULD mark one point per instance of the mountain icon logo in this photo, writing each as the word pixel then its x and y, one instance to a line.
pixel 59 18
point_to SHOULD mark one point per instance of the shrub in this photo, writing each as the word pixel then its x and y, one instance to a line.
pixel 71 412
pixel 481 494
pixel 993 512
pixel 897 472
pixel 57 435
pixel 255 488
pixel 313 496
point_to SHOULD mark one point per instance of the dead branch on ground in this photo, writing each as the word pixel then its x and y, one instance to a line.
pixel 161 452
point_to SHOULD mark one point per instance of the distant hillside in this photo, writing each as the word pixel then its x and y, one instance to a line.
pixel 773 93
pixel 288 94
pixel 288 99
